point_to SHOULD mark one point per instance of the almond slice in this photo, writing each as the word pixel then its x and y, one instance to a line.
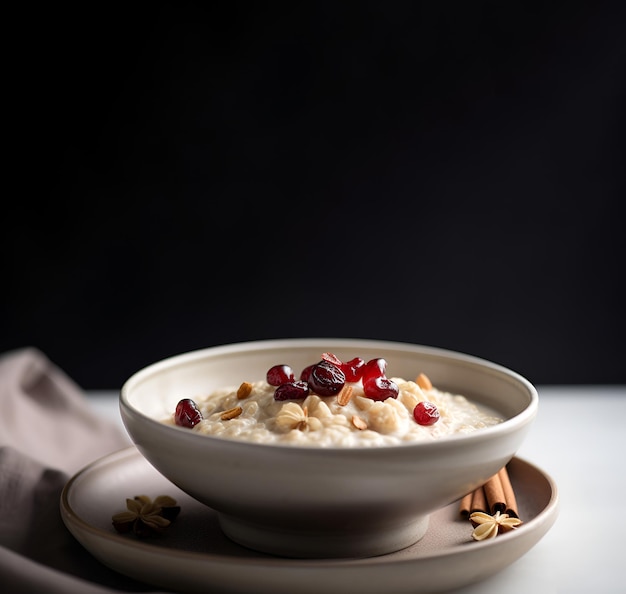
pixel 344 396
pixel 231 413
pixel 359 423
pixel 424 382
pixel 244 390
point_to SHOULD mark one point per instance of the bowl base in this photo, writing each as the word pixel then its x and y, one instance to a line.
pixel 283 542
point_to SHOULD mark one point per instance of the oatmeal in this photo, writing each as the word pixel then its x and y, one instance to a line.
pixel 348 410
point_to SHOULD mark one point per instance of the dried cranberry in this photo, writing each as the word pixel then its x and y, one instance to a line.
pixel 292 390
pixel 187 413
pixel 380 388
pixel 306 372
pixel 326 379
pixel 425 413
pixel 279 374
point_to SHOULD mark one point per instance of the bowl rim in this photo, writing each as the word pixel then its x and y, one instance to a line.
pixel 509 425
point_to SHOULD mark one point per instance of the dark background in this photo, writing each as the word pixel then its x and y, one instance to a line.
pixel 185 175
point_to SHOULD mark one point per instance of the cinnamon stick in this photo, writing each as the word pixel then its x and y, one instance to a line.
pixel 466 505
pixel 509 494
pixel 474 501
pixel 479 500
pixel 496 495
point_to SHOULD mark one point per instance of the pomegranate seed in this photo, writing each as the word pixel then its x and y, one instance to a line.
pixel 380 388
pixel 280 374
pixel 426 413
pixel 292 390
pixel 187 413
pixel 374 368
pixel 326 379
pixel 353 369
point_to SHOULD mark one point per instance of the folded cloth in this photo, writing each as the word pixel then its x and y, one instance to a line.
pixel 45 415
pixel 47 433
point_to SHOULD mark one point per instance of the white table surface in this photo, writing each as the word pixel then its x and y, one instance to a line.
pixel 579 439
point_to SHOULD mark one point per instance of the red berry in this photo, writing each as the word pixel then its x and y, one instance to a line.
pixel 326 379
pixel 353 369
pixel 292 390
pixel 380 388
pixel 306 372
pixel 187 413
pixel 374 368
pixel 426 413
pixel 279 374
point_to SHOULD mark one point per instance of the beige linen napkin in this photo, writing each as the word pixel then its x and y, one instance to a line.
pixel 47 433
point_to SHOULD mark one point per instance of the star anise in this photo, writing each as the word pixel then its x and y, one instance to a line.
pixel 487 526
pixel 145 517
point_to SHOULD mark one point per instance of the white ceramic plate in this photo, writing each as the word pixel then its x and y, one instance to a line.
pixel 193 555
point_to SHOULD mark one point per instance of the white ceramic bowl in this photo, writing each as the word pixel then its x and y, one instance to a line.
pixel 324 502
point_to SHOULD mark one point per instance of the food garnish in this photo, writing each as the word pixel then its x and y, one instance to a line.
pixel 425 413
pixel 344 396
pixel 359 423
pixel 423 381
pixel 495 495
pixel 145 517
pixel 231 413
pixel 489 526
pixel 244 390
pixel 295 390
pixel 294 416
pixel 492 507
pixel 187 413
pixel 328 377
pixel 279 374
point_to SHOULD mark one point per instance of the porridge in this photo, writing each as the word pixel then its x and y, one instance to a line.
pixel 333 404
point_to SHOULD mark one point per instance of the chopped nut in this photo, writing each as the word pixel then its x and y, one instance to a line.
pixel 244 390
pixel 344 396
pixel 424 382
pixel 359 423
pixel 231 413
